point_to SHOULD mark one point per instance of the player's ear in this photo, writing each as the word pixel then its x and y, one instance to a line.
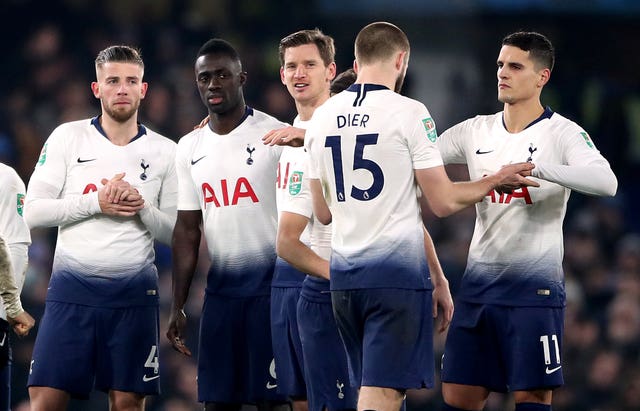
pixel 331 73
pixel 243 77
pixel 95 88
pixel 282 76
pixel 544 76
pixel 143 89
pixel 355 66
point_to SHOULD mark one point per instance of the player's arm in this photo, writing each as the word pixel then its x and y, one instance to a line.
pixel 441 292
pixel 19 319
pixel 161 218
pixel 295 252
pixel 586 171
pixel 286 136
pixel 320 207
pixel 185 246
pixel 445 197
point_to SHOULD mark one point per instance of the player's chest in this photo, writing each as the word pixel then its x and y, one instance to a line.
pixel 87 165
pixel 487 153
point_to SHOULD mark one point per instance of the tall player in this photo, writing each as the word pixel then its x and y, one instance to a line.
pixel 307 68
pixel 226 184
pixel 14 243
pixel 506 333
pixel 368 146
pixel 101 313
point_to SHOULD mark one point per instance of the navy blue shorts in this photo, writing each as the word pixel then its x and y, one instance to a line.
pixel 327 372
pixel 388 336
pixel 287 349
pixel 116 346
pixel 504 348
pixel 235 358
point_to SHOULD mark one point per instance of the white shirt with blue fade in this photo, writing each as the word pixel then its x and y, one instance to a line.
pixel 365 144
pixel 231 179
pixel 516 252
pixel 102 260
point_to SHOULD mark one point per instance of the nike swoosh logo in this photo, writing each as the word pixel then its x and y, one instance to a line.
pixel 195 161
pixel 80 160
pixel 147 379
pixel 551 371
pixel 4 337
pixel 271 386
pixel 478 151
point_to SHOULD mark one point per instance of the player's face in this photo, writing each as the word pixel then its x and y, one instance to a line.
pixel 305 74
pixel 120 88
pixel 219 79
pixel 518 78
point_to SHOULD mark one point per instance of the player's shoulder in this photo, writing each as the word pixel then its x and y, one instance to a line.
pixel 562 124
pixel 8 174
pixel 72 128
pixel 260 119
pixel 157 138
pixel 191 136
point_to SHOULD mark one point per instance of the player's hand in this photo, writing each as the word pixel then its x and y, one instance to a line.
pixel 442 298
pixel 513 176
pixel 22 323
pixel 203 123
pixel 177 325
pixel 118 198
pixel 117 188
pixel 286 136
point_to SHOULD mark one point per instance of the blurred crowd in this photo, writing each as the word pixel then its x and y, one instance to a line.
pixel 48 66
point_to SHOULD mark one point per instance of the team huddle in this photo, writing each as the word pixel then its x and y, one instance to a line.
pixel 324 283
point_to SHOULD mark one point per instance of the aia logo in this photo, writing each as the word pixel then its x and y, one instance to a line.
pixel 225 197
pixel 504 198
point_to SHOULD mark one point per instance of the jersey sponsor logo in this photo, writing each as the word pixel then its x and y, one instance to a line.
pixel 193 162
pixel 147 379
pixel 295 183
pixel 552 370
pixel 479 151
pixel 85 160
pixel 504 198
pixel 242 189
pixel 587 139
pixel 43 155
pixel 430 128
pixel 19 203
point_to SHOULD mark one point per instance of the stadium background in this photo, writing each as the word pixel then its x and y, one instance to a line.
pixel 48 48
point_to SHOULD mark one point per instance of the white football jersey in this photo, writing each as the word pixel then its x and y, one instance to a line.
pixel 231 179
pixel 13 228
pixel 74 160
pixel 516 252
pixel 365 144
pixel 12 193
pixel 289 184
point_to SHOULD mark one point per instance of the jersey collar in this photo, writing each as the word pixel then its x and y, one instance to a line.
pixel 96 123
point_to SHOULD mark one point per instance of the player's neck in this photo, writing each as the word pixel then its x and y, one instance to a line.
pixel 225 123
pixel 306 109
pixel 377 74
pixel 519 115
pixel 119 133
